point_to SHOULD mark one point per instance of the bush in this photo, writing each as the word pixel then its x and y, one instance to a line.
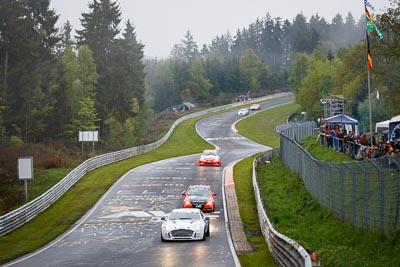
pixel 15 141
pixel 53 162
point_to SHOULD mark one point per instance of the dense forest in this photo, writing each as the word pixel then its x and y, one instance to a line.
pixel 56 82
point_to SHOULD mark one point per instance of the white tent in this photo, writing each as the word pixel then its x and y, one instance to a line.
pixel 385 124
pixel 382 124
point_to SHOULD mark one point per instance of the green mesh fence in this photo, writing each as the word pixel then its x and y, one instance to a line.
pixel 365 193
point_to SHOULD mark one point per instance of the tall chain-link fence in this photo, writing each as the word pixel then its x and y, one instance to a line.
pixel 365 193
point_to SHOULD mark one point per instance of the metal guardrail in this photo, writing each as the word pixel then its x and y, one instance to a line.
pixel 25 213
pixel 285 250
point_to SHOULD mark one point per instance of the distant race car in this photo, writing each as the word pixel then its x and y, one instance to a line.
pixel 210 158
pixel 243 112
pixel 255 107
pixel 199 196
pixel 185 224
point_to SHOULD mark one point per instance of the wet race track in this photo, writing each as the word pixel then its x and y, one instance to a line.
pixel 124 227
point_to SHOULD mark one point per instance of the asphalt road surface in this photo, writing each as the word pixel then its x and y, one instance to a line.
pixel 124 227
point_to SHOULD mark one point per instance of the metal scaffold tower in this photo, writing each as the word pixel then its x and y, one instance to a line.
pixel 334 105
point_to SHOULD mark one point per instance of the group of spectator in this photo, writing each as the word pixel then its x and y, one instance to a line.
pixel 358 146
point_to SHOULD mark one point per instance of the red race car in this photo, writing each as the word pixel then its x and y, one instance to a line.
pixel 199 196
pixel 210 158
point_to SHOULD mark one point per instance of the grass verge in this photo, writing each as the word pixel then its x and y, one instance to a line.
pixel 248 213
pixel 260 128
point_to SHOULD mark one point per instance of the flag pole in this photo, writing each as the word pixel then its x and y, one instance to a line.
pixel 369 66
pixel 370 26
pixel 369 100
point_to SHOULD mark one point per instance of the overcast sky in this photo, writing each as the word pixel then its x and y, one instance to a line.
pixel 160 24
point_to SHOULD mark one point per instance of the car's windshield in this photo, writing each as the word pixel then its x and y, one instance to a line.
pixel 198 193
pixel 184 216
pixel 209 153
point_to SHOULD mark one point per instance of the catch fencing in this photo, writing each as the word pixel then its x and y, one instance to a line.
pixel 27 212
pixel 365 193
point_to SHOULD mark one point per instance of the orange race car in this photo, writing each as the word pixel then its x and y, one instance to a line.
pixel 210 158
pixel 199 196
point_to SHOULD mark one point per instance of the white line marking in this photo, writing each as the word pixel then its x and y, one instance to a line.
pixel 157 213
pixel 139 214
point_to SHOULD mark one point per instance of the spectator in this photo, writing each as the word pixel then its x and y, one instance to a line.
pixel 328 138
pixel 396 146
pixel 349 144
pixel 384 138
pixel 358 147
pixel 335 141
pixel 363 140
pixel 391 148
pixel 369 141
pixel 341 136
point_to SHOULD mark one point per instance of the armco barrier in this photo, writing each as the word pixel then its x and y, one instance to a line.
pixel 285 251
pixel 27 212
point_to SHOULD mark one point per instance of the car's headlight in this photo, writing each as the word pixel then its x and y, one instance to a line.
pixel 168 227
pixel 198 227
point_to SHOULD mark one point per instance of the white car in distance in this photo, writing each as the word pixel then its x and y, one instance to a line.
pixel 243 112
pixel 255 107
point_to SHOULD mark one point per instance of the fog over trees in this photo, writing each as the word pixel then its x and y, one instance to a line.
pixel 274 43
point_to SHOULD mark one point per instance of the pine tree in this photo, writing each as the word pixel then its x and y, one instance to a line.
pixel 303 38
pixel 189 46
pixel 250 66
pixel 66 38
pixel 77 98
pixel 100 28
pixel 28 37
pixel 88 79
pixel 198 85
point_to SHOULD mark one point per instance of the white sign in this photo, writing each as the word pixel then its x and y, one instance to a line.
pixel 25 168
pixel 88 136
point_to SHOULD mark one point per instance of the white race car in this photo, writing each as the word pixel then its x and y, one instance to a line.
pixel 255 107
pixel 185 224
pixel 209 158
pixel 243 112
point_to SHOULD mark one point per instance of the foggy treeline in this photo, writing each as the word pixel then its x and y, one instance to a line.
pixel 56 82
pixel 269 45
